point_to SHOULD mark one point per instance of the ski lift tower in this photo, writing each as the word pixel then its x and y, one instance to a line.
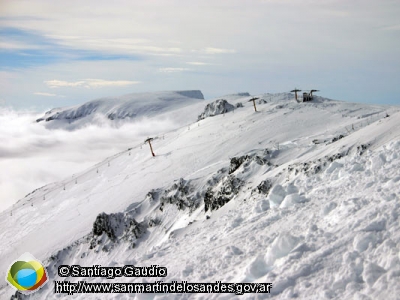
pixel 151 148
pixel 312 91
pixel 309 96
pixel 295 93
pixel 254 103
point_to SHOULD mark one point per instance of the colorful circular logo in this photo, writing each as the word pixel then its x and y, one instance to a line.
pixel 27 274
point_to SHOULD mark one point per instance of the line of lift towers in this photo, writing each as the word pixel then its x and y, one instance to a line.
pixel 306 97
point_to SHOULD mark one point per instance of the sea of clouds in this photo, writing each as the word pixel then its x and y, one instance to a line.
pixel 34 154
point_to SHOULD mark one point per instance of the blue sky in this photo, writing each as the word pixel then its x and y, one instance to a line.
pixel 38 50
pixel 59 54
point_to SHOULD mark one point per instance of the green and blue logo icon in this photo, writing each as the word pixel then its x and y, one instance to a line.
pixel 27 274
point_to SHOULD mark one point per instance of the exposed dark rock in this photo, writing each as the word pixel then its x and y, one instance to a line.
pixel 313 167
pixel 362 148
pixel 336 138
pixel 154 222
pixel 152 195
pixel 110 228
pixel 236 162
pixel 181 194
pixel 316 141
pixel 239 104
pixel 218 190
pixel 103 224
pixel 264 187
pixel 334 157
pixel 261 158
pixel 262 101
pixel 18 296
pixel 229 188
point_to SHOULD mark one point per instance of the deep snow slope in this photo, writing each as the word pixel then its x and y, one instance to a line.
pixel 118 109
pixel 303 195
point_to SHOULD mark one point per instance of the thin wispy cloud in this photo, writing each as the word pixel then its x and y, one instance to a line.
pixel 17 39
pixel 61 83
pixel 198 63
pixel 122 46
pixel 94 83
pixel 89 83
pixel 211 50
pixel 172 70
pixel 17 45
pixel 392 27
pixel 45 94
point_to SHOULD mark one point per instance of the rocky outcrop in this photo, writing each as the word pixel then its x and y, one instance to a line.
pixel 261 158
pixel 229 188
pixel 110 228
pixel 182 194
pixel 217 107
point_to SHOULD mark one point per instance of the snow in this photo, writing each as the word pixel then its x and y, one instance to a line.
pixel 120 109
pixel 319 221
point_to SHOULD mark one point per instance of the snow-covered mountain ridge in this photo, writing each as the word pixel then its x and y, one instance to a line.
pixel 303 195
pixel 129 106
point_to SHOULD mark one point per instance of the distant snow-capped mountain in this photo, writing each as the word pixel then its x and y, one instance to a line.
pixel 124 107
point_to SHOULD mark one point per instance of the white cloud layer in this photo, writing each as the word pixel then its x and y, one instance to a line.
pixel 35 156
pixel 89 83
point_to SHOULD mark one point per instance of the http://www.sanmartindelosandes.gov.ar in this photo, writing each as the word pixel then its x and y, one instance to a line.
pixel 27 274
